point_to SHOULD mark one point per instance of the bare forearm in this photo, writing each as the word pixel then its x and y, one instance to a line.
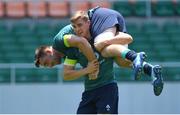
pixel 83 45
pixel 121 38
pixel 87 50
pixel 74 74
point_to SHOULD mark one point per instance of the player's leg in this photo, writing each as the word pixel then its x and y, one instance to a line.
pixel 119 50
pixel 123 62
pixel 156 75
pixel 86 105
pixel 154 71
pixel 107 99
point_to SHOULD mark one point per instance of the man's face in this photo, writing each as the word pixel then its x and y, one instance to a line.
pixel 81 28
pixel 49 60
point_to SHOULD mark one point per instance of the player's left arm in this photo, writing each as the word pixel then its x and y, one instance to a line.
pixel 70 73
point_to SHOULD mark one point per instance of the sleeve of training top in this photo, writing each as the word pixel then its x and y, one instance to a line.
pixel 60 40
pixel 71 57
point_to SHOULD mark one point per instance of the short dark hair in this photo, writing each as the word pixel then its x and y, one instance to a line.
pixel 39 52
pixel 79 15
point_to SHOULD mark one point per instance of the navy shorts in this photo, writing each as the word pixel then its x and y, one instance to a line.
pixel 103 100
pixel 103 18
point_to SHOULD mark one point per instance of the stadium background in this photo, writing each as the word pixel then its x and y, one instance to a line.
pixel 26 24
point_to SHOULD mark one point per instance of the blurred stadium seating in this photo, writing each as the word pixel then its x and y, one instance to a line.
pixel 37 9
pixel 24 25
pixel 1 9
pixel 15 9
pixel 58 9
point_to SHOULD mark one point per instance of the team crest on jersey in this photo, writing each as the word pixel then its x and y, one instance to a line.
pixel 108 107
pixel 97 55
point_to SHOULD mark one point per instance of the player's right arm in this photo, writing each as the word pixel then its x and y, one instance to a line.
pixel 70 73
pixel 82 44
pixel 121 38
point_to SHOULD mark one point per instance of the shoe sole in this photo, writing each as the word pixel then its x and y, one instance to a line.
pixel 158 83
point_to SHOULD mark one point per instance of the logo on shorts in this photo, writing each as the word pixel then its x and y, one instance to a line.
pixel 108 107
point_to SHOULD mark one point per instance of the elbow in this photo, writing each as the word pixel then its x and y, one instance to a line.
pixel 82 42
pixel 124 38
pixel 130 38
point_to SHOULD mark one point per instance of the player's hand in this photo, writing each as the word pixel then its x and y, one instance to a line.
pixel 92 76
pixel 92 66
pixel 93 69
pixel 100 46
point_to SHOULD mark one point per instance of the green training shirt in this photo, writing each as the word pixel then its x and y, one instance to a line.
pixel 106 73
pixel 60 40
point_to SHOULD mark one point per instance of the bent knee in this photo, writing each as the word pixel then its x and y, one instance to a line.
pixel 99 46
pixel 123 62
pixel 104 53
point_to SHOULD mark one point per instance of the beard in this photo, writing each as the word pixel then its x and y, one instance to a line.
pixel 56 61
